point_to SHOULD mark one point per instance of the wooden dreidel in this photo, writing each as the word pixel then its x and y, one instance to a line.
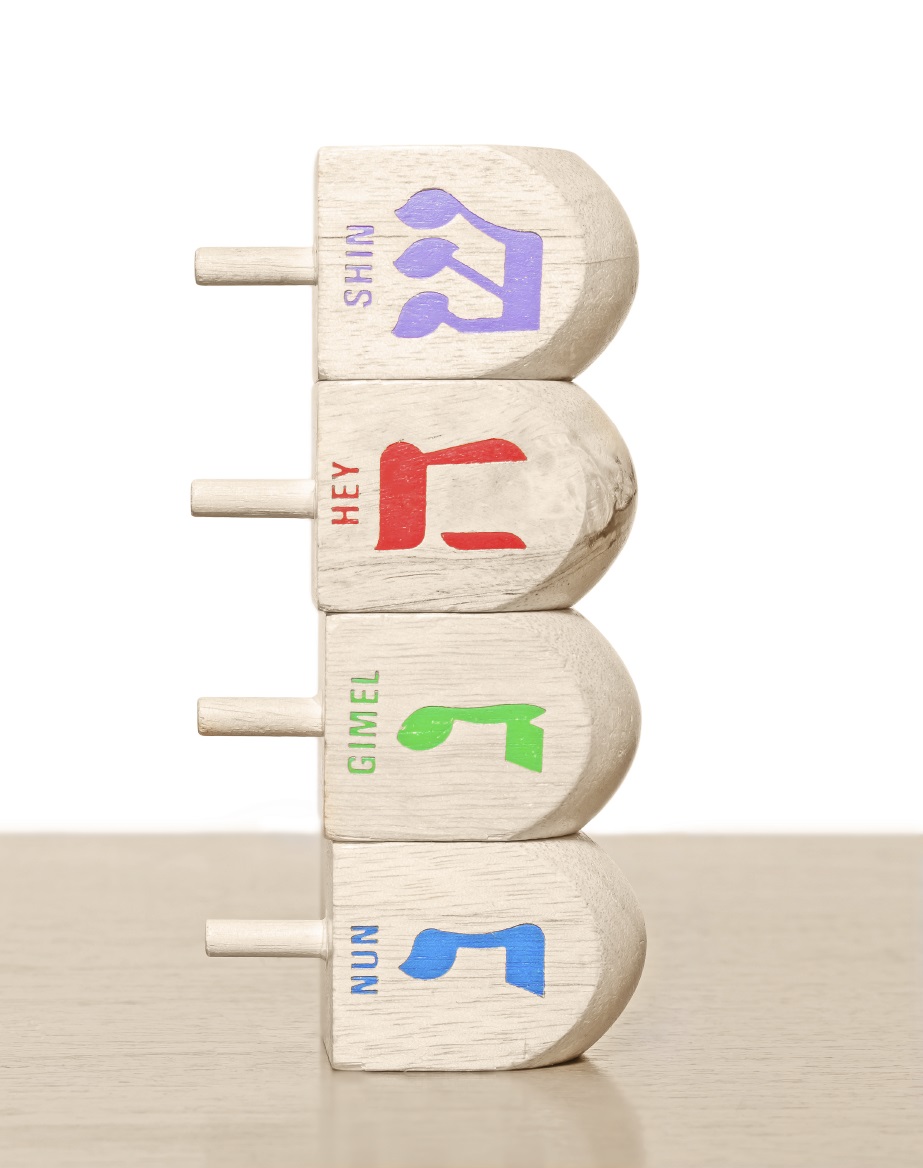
pixel 464 496
pixel 471 956
pixel 454 261
pixel 447 727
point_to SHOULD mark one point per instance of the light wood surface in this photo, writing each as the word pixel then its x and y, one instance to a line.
pixel 463 496
pixel 253 498
pixel 470 956
pixel 500 261
pixel 580 278
pixel 255 265
pixel 578 951
pixel 236 938
pixel 584 722
pixel 263 717
pixel 439 726
pixel 562 484
pixel 777 1024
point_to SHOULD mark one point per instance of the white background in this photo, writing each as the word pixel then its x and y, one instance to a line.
pixel 767 381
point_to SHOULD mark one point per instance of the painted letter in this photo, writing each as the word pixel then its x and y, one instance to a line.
pixel 402 506
pixel 344 470
pixel 343 515
pixel 361 770
pixel 365 723
pixel 359 234
pixel 431 725
pixel 434 951
pixel 519 294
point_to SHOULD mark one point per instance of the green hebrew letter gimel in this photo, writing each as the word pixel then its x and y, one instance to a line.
pixel 431 725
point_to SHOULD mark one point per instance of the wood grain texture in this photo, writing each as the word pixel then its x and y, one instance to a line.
pixel 255 265
pixel 567 892
pixel 266 717
pixel 536 460
pixel 777 1023
pixel 253 498
pixel 447 727
pixel 563 484
pixel 468 787
pixel 480 957
pixel 588 262
pixel 241 938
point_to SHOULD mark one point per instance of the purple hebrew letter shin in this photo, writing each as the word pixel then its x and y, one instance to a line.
pixel 519 294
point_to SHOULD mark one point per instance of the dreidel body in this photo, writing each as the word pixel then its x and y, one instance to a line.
pixel 464 496
pixel 460 485
pixel 467 956
pixel 454 262
pixel 457 727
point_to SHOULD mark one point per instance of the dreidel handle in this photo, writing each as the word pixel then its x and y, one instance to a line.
pixel 255 265
pixel 267 717
pixel 254 498
pixel 266 939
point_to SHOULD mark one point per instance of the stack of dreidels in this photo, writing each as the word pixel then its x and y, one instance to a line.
pixel 465 494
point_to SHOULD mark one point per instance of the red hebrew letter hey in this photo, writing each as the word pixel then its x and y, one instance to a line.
pixel 402 507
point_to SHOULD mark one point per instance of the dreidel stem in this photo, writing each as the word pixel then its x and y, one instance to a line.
pixel 266 939
pixel 268 717
pixel 254 498
pixel 255 265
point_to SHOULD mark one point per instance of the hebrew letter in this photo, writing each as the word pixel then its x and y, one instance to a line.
pixel 434 951
pixel 431 725
pixel 402 506
pixel 519 294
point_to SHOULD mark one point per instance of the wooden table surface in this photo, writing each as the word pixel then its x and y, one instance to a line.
pixel 777 1021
